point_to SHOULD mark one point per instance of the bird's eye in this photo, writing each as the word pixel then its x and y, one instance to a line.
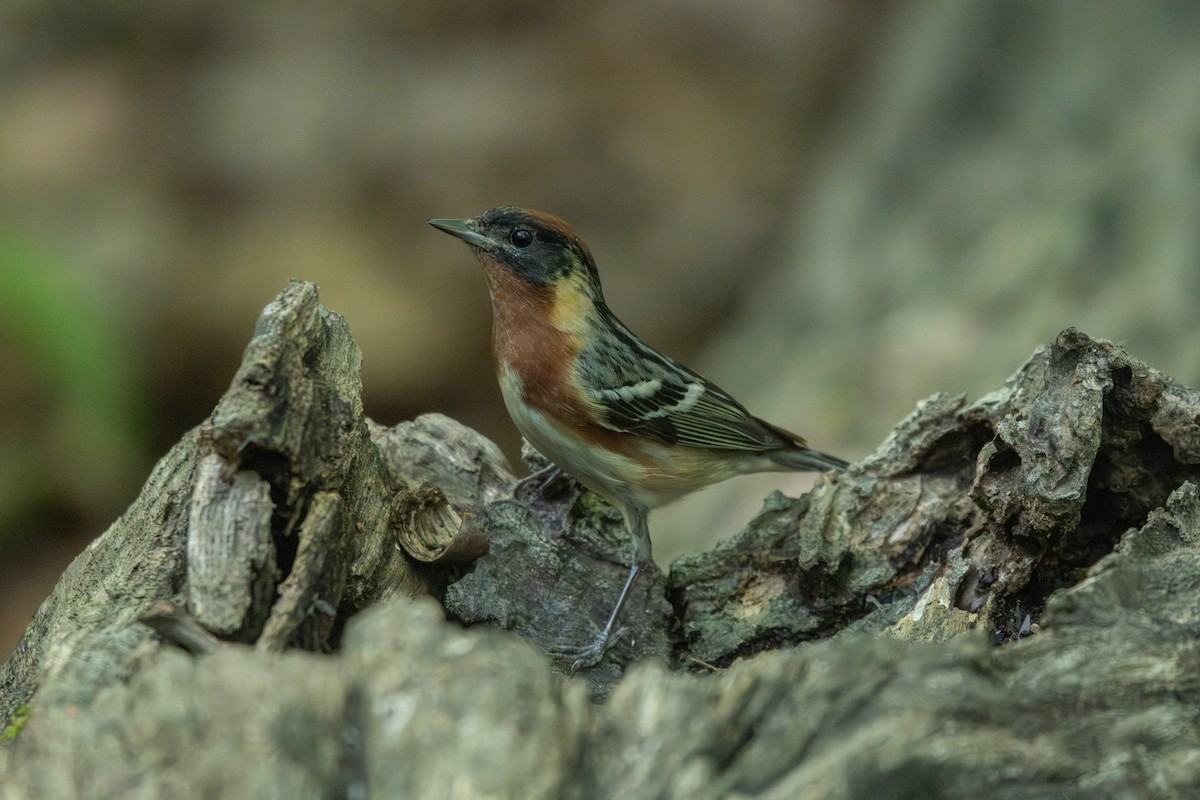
pixel 521 237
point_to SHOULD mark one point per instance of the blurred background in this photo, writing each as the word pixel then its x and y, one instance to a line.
pixel 832 208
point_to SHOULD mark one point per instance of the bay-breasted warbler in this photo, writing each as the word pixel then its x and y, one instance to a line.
pixel 628 422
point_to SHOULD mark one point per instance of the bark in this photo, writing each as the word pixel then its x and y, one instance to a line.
pixel 1001 601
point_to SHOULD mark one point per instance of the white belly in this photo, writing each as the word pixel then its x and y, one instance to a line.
pixel 611 475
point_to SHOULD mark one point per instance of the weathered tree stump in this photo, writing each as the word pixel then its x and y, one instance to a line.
pixel 1002 601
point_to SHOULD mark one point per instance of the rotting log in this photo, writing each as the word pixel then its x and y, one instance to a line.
pixel 1002 601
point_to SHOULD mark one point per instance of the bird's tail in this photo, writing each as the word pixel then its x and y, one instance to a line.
pixel 806 459
pixel 795 453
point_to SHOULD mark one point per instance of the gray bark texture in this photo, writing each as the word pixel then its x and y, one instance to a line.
pixel 1003 601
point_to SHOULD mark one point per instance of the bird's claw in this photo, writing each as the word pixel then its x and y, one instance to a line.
pixel 540 489
pixel 590 654
pixel 537 483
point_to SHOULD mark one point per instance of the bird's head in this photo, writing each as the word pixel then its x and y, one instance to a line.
pixel 537 247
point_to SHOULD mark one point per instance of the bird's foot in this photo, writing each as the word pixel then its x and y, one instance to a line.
pixel 536 489
pixel 590 654
pixel 536 483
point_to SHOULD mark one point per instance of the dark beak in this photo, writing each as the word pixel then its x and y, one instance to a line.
pixel 462 229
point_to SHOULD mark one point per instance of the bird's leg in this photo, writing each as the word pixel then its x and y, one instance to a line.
pixel 543 478
pixel 589 655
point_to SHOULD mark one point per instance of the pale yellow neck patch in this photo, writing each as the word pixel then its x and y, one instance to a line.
pixel 573 309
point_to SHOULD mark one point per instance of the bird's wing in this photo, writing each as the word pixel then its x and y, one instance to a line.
pixel 635 389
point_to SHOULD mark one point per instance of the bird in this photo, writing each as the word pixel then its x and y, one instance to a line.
pixel 626 421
